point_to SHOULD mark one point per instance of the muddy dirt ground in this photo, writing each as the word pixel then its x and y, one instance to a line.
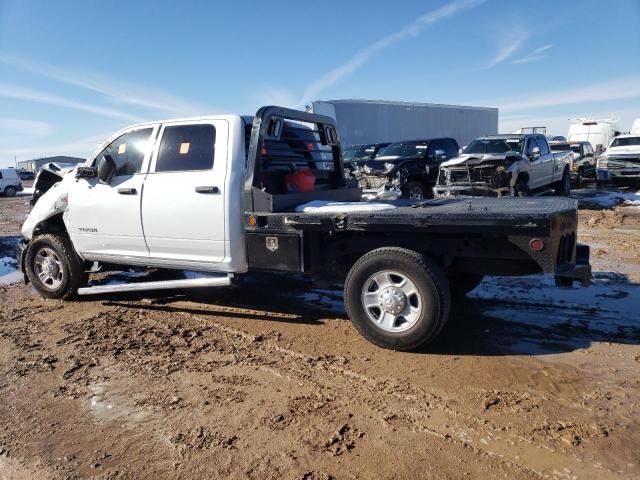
pixel 269 380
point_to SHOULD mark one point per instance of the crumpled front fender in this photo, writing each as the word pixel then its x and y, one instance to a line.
pixel 518 167
pixel 52 202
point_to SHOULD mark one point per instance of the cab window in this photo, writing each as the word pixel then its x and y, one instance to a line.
pixel 186 148
pixel 544 146
pixel 531 145
pixel 128 151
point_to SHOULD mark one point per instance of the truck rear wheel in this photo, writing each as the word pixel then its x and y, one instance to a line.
pixel 53 267
pixel 10 192
pixel 397 298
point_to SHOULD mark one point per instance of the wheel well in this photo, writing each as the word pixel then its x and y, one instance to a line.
pixel 54 225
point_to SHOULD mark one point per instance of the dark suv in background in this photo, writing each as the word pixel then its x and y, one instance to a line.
pixel 409 166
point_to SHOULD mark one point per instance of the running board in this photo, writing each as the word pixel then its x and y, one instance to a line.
pixel 220 281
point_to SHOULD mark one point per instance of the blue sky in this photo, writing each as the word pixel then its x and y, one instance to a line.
pixel 73 72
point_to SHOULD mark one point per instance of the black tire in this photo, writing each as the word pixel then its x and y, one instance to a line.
pixel 522 187
pixel 579 178
pixel 429 281
pixel 462 283
pixel 415 191
pixel 563 188
pixel 10 191
pixel 68 270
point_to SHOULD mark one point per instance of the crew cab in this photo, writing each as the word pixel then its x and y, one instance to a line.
pixel 620 163
pixel 583 161
pixel 214 194
pixel 410 167
pixel 505 165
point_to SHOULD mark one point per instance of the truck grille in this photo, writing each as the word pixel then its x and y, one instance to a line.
pixel 623 162
pixel 487 175
pixel 372 181
pixel 565 249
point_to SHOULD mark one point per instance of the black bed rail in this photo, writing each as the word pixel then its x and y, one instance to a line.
pixel 282 139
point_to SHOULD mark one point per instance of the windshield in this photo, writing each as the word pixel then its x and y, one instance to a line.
pixel 403 150
pixel 625 141
pixel 361 152
pixel 495 145
pixel 563 147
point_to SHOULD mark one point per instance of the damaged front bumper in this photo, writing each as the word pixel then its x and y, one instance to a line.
pixel 472 190
pixel 479 180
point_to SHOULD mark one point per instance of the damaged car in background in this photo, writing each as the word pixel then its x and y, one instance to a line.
pixel 505 165
pixel 405 169
pixel 620 164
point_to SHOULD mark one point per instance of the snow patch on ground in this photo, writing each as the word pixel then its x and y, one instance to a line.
pixel 595 198
pixel 27 191
pixel 8 271
pixel 322 206
pixel 608 310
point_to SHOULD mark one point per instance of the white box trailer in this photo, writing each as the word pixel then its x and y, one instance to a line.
pixel 377 121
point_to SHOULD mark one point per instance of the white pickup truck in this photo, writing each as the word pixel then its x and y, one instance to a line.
pixel 218 195
pixel 506 165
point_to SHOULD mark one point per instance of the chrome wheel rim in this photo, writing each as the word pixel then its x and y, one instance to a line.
pixel 391 301
pixel 48 268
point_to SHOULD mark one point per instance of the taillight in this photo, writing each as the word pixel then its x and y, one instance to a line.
pixel 536 244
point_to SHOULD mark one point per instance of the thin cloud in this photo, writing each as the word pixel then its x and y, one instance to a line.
pixel 410 30
pixel 79 148
pixel 509 45
pixel 614 89
pixel 537 54
pixel 18 126
pixel 116 91
pixel 22 93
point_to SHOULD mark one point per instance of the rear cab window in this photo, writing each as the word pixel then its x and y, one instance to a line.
pixel 299 147
pixel 544 146
pixel 186 148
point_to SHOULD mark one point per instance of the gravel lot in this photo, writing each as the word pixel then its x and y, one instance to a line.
pixel 269 380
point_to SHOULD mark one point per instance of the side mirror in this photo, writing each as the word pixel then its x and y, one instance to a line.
pixel 105 169
pixel 535 154
pixel 441 155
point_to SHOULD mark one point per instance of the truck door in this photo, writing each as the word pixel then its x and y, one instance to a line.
pixel 538 169
pixel 183 206
pixel 550 171
pixel 104 220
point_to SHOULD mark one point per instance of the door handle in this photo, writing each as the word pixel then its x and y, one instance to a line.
pixel 127 191
pixel 207 189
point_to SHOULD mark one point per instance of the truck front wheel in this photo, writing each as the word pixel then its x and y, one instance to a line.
pixel 397 298
pixel 53 267
pixel 414 191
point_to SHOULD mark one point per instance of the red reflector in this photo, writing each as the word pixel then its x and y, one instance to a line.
pixel 536 244
pixel 310 146
pixel 263 152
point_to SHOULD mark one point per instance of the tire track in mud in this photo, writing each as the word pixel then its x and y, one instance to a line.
pixel 154 344
pixel 431 413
